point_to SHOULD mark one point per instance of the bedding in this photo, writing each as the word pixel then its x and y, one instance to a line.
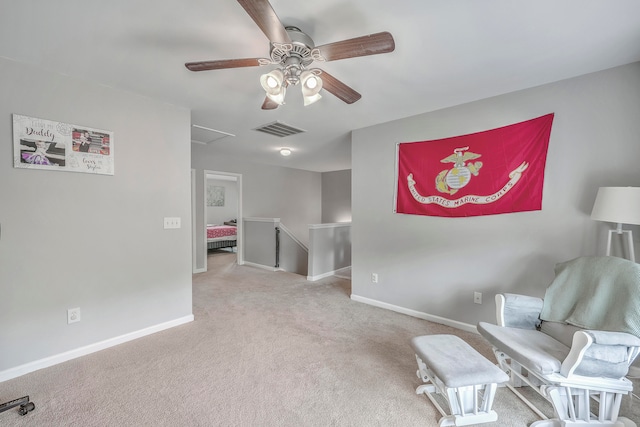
pixel 215 231
pixel 221 236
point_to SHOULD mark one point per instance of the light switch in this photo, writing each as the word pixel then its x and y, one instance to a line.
pixel 171 222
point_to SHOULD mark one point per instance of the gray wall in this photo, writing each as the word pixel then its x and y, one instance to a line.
pixel 433 265
pixel 293 256
pixel 91 241
pixel 293 195
pixel 336 196
pixel 329 248
pixel 260 241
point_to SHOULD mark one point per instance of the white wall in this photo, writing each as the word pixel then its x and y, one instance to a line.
pixel 293 195
pixel 91 241
pixel 433 265
pixel 220 214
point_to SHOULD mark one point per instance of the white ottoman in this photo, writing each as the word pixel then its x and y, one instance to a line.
pixel 467 380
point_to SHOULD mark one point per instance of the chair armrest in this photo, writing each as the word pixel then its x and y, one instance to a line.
pixel 518 311
pixel 600 354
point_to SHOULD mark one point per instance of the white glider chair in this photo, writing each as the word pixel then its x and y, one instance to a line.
pixel 580 369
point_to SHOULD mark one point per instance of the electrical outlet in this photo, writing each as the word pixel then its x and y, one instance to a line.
pixel 477 297
pixel 374 277
pixel 73 315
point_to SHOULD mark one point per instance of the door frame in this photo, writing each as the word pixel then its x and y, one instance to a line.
pixel 240 226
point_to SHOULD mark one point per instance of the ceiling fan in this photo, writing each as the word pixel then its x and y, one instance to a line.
pixel 294 51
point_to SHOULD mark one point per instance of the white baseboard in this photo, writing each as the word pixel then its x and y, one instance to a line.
pixel 413 313
pixel 339 275
pixel 264 267
pixel 330 273
pixel 91 348
pixel 199 270
pixel 320 276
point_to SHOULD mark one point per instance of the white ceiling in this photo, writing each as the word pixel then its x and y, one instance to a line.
pixel 448 52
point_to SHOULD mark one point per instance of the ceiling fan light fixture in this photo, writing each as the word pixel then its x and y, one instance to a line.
pixel 273 85
pixel 311 83
pixel 311 86
pixel 272 82
pixel 308 100
pixel 278 98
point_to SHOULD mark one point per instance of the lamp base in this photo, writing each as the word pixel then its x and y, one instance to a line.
pixel 629 235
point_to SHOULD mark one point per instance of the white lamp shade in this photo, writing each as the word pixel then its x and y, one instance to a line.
pixel 273 85
pixel 311 86
pixel 279 97
pixel 308 100
pixel 620 205
pixel 311 83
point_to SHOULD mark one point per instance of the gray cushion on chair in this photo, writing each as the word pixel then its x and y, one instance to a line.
pixel 614 338
pixel 532 349
pixel 522 311
pixel 455 362
pixel 609 361
pixel 608 355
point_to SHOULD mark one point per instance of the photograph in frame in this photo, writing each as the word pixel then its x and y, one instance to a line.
pixel 50 145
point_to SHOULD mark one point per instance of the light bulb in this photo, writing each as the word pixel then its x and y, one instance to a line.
pixel 285 151
pixel 311 82
pixel 271 82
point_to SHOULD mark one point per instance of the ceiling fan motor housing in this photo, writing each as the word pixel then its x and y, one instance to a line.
pixel 301 48
pixel 302 43
pixel 294 57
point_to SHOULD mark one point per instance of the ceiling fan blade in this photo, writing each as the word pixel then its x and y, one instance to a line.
pixel 372 44
pixel 339 89
pixel 222 64
pixel 265 17
pixel 269 104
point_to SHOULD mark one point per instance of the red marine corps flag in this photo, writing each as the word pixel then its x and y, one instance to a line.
pixel 492 172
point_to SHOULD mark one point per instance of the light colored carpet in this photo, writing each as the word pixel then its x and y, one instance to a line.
pixel 266 349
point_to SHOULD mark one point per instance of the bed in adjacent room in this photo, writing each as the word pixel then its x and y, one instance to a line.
pixel 221 236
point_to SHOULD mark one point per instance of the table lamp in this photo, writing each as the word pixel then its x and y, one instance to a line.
pixel 620 205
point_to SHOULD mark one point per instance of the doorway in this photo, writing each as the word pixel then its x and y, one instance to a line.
pixel 223 215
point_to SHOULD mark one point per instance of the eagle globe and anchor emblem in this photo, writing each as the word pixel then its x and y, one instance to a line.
pixel 449 181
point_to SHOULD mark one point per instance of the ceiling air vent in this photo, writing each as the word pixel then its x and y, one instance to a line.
pixel 279 129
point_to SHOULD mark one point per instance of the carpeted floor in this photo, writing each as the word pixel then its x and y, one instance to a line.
pixel 265 349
